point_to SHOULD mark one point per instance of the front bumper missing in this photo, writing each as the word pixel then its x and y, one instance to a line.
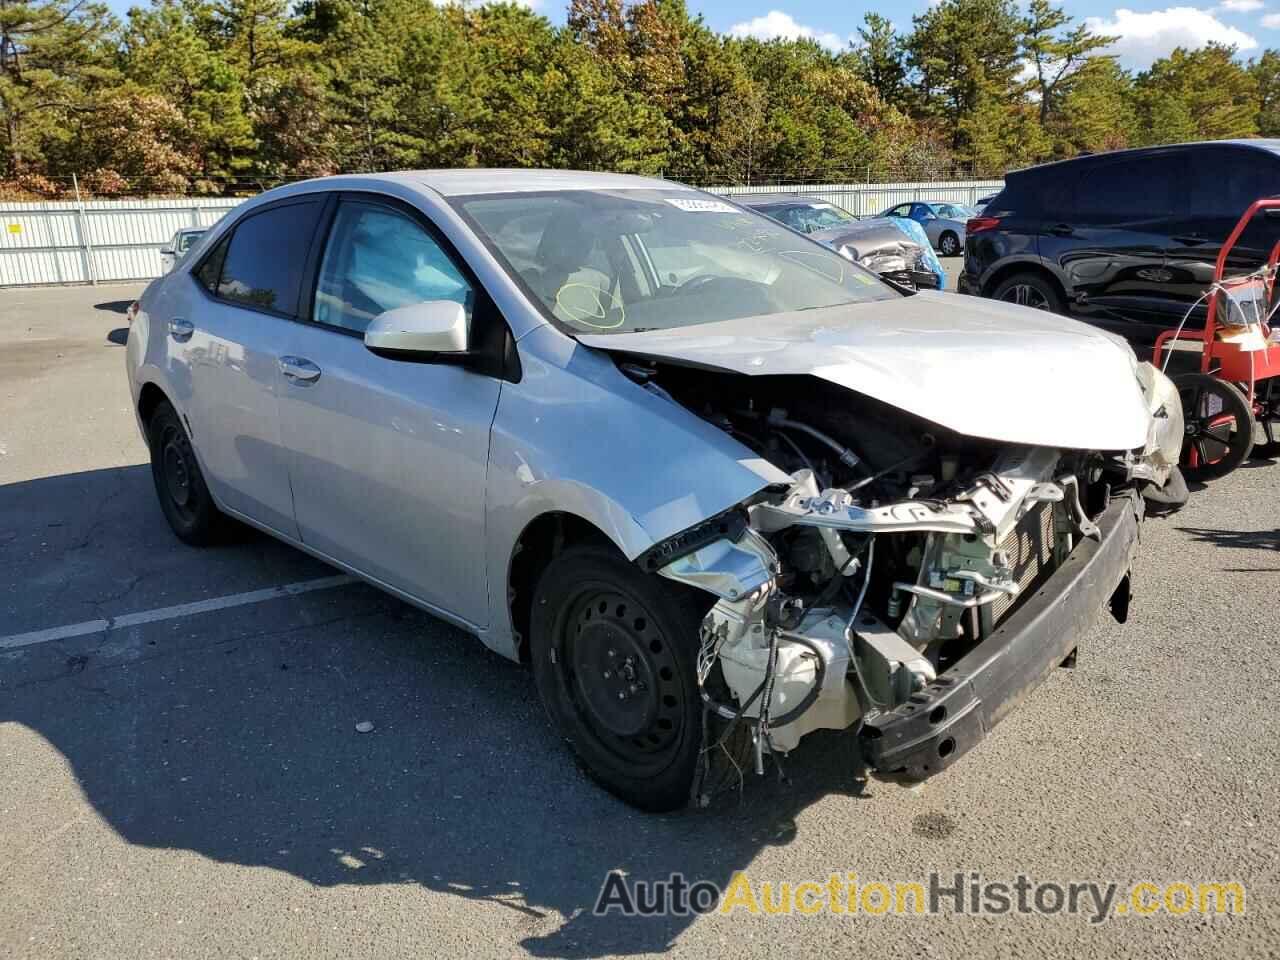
pixel 943 721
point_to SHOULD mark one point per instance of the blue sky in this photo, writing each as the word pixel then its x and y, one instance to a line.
pixel 1146 30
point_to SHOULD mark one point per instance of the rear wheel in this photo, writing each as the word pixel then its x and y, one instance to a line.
pixel 1030 290
pixel 1219 425
pixel 949 244
pixel 614 653
pixel 184 497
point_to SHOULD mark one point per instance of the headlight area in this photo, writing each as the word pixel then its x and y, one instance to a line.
pixel 860 603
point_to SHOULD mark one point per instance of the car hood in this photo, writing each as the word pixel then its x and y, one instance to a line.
pixel 867 237
pixel 979 367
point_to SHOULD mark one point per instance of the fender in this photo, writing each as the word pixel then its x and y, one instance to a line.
pixel 577 436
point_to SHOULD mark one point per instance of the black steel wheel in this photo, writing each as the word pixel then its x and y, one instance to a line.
pixel 1029 290
pixel 180 485
pixel 614 653
pixel 949 244
pixel 1219 425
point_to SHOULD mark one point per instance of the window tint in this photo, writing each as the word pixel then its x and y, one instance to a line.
pixel 211 268
pixel 268 252
pixel 377 260
pixel 1222 183
pixel 1133 189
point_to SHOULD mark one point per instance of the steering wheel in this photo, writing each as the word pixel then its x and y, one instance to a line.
pixel 693 284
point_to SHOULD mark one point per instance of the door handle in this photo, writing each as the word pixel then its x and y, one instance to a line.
pixel 299 369
pixel 181 330
pixel 1062 230
pixel 1190 239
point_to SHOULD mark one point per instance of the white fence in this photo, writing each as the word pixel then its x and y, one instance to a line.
pixel 106 240
pixel 94 241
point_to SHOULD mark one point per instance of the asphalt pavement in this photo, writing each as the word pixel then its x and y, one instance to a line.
pixel 190 783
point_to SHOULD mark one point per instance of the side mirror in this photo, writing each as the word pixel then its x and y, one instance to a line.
pixel 418 330
pixel 167 251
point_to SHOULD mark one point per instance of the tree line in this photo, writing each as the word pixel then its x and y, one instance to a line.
pixel 230 96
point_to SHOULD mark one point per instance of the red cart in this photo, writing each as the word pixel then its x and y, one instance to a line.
pixel 1235 388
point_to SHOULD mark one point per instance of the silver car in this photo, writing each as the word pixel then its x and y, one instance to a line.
pixel 943 223
pixel 717 485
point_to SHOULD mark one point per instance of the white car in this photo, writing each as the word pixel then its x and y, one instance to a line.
pixel 178 246
pixel 718 485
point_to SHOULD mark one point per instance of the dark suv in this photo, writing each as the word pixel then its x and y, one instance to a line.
pixel 1127 240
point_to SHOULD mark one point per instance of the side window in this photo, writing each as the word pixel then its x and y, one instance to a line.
pixel 1223 183
pixel 209 271
pixel 378 259
pixel 1129 190
pixel 901 210
pixel 264 263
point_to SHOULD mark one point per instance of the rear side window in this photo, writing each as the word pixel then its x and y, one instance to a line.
pixel 263 265
pixel 1222 183
pixel 1127 190
pixel 209 271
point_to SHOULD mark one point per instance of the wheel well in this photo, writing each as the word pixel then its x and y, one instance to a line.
pixel 1007 271
pixel 150 398
pixel 541 541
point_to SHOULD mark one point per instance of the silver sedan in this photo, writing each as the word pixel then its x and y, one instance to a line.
pixel 717 485
pixel 943 223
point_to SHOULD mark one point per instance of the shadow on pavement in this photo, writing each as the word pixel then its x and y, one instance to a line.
pixel 1243 539
pixel 113 306
pixel 232 735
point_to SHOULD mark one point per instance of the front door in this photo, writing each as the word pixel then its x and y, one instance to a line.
pixel 388 458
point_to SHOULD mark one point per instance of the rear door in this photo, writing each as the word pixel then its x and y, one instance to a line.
pixel 1103 228
pixel 388 458
pixel 231 342
pixel 1221 182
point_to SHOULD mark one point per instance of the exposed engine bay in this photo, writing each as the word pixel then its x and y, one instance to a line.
pixel 897 547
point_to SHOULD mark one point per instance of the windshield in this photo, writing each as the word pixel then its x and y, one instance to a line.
pixel 627 261
pixel 812 217
pixel 185 240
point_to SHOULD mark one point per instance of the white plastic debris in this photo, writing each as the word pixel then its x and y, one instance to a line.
pixel 364 726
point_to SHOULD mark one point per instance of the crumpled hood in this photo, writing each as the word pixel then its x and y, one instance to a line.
pixel 867 237
pixel 979 367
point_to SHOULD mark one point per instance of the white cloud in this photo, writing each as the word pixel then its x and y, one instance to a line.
pixel 1271 21
pixel 776 25
pixel 1240 6
pixel 1144 37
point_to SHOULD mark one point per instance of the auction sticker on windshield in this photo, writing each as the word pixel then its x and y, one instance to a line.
pixel 700 206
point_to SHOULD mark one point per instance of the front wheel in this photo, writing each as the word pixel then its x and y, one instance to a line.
pixel 949 244
pixel 614 654
pixel 1219 424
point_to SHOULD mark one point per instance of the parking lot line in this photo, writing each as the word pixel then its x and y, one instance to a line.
pixel 170 613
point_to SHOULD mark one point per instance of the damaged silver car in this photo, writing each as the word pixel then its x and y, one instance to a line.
pixel 717 484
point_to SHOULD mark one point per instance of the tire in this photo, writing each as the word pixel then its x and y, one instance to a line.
pixel 614 654
pixel 1220 426
pixel 1030 290
pixel 180 487
pixel 949 244
pixel 1172 497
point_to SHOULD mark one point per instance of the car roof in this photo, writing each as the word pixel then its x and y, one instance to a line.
pixel 462 182
pixel 1137 153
